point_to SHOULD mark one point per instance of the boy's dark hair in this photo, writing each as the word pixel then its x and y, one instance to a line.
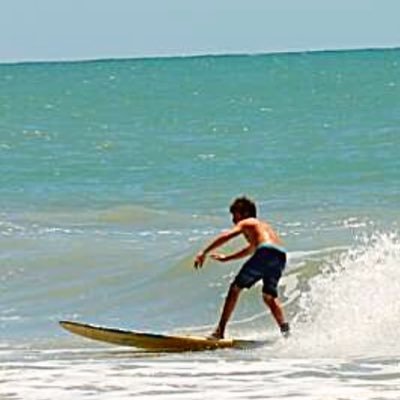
pixel 245 207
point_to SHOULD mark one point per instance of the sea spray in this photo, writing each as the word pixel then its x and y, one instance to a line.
pixel 352 306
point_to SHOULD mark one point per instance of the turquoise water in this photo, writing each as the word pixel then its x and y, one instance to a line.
pixel 165 132
pixel 114 174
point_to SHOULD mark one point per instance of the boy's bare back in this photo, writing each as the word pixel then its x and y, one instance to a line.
pixel 258 232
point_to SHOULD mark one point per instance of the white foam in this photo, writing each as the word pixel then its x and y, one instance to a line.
pixel 352 307
pixel 222 374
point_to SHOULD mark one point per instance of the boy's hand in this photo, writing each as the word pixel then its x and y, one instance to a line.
pixel 199 260
pixel 219 257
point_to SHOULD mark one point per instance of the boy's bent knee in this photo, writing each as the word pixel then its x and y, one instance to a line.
pixel 269 298
pixel 235 288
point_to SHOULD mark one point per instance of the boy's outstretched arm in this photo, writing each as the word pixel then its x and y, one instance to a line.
pixel 217 242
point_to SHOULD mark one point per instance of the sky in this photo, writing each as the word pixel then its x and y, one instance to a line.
pixel 32 30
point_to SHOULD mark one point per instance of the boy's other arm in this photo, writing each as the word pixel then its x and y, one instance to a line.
pixel 234 256
pixel 217 242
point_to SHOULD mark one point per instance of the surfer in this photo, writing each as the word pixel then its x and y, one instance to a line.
pixel 267 261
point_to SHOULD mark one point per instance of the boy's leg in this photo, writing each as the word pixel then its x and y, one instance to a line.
pixel 277 311
pixel 229 306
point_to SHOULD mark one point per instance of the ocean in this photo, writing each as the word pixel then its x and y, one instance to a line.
pixel 114 173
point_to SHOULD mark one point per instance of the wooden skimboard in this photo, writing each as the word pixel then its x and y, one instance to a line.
pixel 154 342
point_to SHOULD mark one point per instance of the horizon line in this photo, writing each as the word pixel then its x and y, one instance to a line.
pixel 197 55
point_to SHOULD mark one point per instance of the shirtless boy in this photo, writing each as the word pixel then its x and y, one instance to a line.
pixel 267 261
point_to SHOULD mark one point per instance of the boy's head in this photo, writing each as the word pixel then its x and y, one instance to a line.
pixel 242 208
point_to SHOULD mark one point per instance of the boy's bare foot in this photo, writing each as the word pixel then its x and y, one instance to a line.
pixel 217 334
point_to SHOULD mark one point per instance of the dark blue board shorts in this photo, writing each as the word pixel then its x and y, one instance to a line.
pixel 266 264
